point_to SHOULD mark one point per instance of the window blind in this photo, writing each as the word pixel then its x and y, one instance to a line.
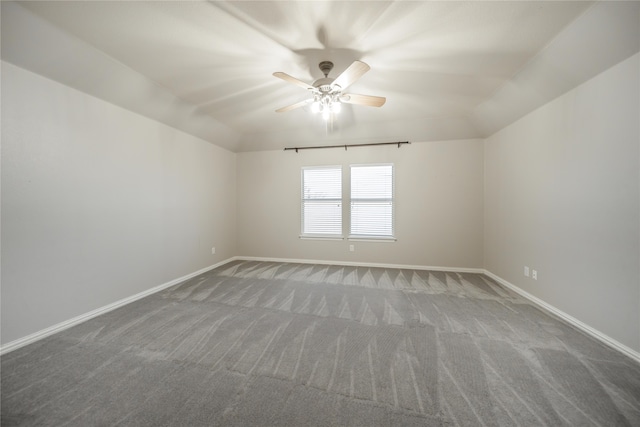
pixel 322 201
pixel 372 201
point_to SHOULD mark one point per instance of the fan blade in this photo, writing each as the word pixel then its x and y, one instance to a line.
pixel 351 74
pixel 293 106
pixel 287 78
pixel 368 100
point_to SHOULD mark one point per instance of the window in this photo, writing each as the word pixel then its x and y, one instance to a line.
pixel 322 201
pixel 371 201
pixel 371 206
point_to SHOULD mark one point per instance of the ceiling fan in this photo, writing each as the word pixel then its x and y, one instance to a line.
pixel 328 93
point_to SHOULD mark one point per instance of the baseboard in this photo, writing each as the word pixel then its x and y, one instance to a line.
pixel 362 264
pixel 21 342
pixel 567 318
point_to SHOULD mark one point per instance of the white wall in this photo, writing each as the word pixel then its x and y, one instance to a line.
pixel 99 203
pixel 562 196
pixel 439 205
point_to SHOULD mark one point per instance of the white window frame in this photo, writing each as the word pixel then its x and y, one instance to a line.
pixel 340 201
pixel 372 237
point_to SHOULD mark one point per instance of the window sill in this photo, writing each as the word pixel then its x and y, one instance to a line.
pixel 304 237
pixel 378 239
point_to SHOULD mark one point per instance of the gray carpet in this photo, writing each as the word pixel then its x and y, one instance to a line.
pixel 257 343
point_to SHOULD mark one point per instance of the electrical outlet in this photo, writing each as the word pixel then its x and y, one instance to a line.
pixel 526 271
pixel 352 248
pixel 534 274
pixel 213 250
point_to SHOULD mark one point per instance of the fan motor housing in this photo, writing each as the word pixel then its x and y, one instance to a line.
pixel 324 84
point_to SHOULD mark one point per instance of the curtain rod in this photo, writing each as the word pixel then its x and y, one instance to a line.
pixel 345 146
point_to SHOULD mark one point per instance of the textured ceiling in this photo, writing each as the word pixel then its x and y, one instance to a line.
pixel 433 61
